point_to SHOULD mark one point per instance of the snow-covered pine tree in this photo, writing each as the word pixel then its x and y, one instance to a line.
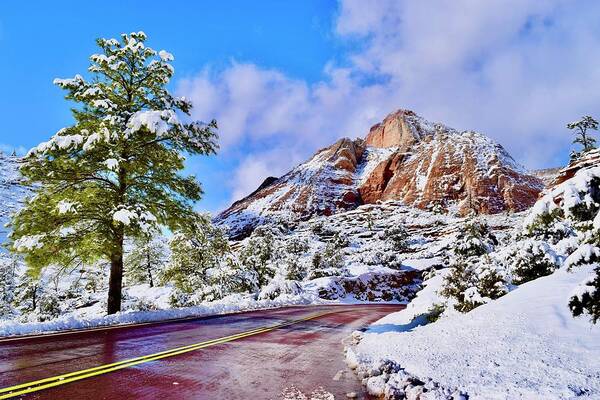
pixel 531 259
pixel 398 237
pixel 581 128
pixel 291 259
pixel 475 277
pixel 330 262
pixel 587 298
pixel 195 249
pixel 115 173
pixel 473 281
pixel 146 260
pixel 8 282
pixel 474 239
pixel 258 253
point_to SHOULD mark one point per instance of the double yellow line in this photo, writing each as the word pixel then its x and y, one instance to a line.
pixel 42 384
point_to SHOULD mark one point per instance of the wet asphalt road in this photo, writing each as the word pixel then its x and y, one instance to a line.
pixel 299 361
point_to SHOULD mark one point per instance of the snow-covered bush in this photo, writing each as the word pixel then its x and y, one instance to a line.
pixel 474 281
pixel 549 227
pixel 49 306
pixel 257 254
pixel 398 237
pixel 292 260
pixel 278 287
pixel 8 282
pixel 474 239
pixel 587 299
pixel 531 259
pixel 435 312
pixel 330 262
pixel 202 267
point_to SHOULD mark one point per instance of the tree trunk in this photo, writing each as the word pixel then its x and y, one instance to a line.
pixel 115 281
pixel 149 268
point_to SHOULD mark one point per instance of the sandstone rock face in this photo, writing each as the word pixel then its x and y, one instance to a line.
pixel 403 158
pixel 448 167
pixel 321 186
pixel 588 159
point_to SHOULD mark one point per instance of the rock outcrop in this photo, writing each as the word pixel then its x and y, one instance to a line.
pixel 404 158
pixel 588 159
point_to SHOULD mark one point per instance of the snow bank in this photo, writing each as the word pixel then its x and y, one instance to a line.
pixel 524 345
pixel 230 304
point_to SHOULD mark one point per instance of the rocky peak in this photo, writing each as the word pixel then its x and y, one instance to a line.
pixel 402 129
pixel 403 158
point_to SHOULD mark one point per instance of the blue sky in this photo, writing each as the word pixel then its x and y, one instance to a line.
pixel 284 78
pixel 44 40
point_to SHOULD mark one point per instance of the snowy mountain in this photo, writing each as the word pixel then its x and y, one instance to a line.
pixel 11 192
pixel 406 158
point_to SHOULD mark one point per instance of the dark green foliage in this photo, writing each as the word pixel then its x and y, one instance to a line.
pixel 549 227
pixel 331 261
pixel 257 255
pixel 471 282
pixel 398 237
pixel 475 239
pixel 588 302
pixel 291 260
pixel 531 260
pixel 435 311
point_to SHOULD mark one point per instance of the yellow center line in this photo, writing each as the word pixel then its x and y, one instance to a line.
pixel 34 386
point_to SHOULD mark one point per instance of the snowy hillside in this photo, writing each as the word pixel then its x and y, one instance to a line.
pixel 11 193
pixel 515 318
pixel 526 345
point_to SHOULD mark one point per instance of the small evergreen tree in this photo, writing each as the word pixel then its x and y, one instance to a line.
pixel 472 282
pixel 588 300
pixel 8 283
pixel 581 128
pixel 115 172
pixel 293 266
pixel 225 279
pixel 146 260
pixel 549 227
pixel 258 253
pixel 28 293
pixel 475 239
pixel 531 259
pixel 398 237
pixel 194 251
pixel 331 261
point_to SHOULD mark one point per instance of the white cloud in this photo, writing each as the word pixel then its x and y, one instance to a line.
pixel 254 169
pixel 517 70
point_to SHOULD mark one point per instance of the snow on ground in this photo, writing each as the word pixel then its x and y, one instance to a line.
pixel 233 303
pixel 525 345
pixel 368 259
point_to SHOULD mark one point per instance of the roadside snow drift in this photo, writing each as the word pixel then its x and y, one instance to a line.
pixel 525 345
